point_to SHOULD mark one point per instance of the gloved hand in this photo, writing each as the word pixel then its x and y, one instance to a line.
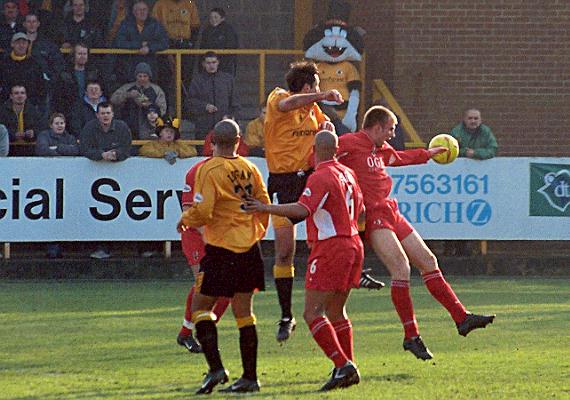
pixel 170 156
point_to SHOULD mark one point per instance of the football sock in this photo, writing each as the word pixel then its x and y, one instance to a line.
pixel 400 291
pixel 343 330
pixel 325 336
pixel 207 335
pixel 284 288
pixel 186 329
pixel 248 350
pixel 220 307
pixel 442 292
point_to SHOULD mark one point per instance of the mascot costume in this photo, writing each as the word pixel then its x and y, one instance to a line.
pixel 335 46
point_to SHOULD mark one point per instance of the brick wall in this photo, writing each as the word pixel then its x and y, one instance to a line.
pixel 510 58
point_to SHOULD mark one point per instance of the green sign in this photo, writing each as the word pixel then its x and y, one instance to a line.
pixel 549 190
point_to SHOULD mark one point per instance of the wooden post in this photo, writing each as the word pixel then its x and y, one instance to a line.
pixel 168 249
pixel 6 251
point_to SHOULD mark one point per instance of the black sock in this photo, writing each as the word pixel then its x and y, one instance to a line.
pixel 207 335
pixel 284 288
pixel 248 349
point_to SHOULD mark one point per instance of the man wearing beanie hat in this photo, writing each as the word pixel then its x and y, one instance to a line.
pixel 134 98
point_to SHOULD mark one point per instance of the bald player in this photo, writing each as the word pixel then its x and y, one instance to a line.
pixel 331 202
pixel 232 265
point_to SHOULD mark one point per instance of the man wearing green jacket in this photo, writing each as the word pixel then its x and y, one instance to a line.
pixel 476 140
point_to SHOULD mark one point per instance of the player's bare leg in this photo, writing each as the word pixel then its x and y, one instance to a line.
pixel 242 307
pixel 388 248
pixel 318 305
pixel 423 258
pixel 283 272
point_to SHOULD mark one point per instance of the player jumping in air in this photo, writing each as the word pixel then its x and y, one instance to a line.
pixel 393 239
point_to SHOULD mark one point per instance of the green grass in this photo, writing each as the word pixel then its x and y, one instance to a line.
pixel 116 340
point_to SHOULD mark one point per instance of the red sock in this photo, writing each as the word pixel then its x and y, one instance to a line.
pixel 324 335
pixel 220 307
pixel 442 292
pixel 400 291
pixel 343 330
pixel 186 330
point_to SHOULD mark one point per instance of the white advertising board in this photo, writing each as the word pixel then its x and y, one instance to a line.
pixel 73 198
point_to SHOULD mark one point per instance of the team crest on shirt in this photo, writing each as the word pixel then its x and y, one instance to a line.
pixel 187 188
pixel 183 11
pixel 307 192
pixel 198 198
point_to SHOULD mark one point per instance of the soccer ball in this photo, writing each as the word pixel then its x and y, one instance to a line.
pixel 445 140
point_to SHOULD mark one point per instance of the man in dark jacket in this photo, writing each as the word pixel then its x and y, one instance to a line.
pixel 143 33
pixel 10 23
pixel 18 67
pixel 211 96
pixel 21 119
pixel 105 138
pixel 85 110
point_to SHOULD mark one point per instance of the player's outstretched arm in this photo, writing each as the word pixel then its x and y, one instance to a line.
pixel 302 99
pixel 291 210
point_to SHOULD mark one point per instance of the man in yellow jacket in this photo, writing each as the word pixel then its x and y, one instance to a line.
pixel 232 266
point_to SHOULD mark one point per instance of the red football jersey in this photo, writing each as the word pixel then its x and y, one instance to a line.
pixel 188 192
pixel 334 201
pixel 369 162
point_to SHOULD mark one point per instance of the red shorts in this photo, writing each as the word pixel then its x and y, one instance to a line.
pixel 192 246
pixel 335 264
pixel 387 216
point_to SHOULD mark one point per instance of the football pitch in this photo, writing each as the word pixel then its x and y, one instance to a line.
pixel 116 340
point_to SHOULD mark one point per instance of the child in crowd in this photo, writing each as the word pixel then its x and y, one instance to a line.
pixel 167 146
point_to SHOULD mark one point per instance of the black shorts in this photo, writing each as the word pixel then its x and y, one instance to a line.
pixel 224 273
pixel 287 188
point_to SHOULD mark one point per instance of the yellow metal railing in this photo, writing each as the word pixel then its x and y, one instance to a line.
pixel 381 92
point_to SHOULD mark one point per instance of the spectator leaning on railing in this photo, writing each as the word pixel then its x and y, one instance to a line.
pixel 105 139
pixel 476 140
pixel 168 146
pixel 219 34
pixel 54 142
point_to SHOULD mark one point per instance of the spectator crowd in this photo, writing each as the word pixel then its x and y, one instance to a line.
pixel 38 80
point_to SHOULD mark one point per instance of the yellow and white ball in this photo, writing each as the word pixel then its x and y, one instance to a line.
pixel 447 141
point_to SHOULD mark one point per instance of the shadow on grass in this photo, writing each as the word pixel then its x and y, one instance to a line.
pixel 402 378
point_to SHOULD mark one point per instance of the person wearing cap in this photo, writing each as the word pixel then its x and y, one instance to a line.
pixel 10 23
pixel 232 266
pixel 135 97
pixel 18 67
pixel 168 146
pixel 148 127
